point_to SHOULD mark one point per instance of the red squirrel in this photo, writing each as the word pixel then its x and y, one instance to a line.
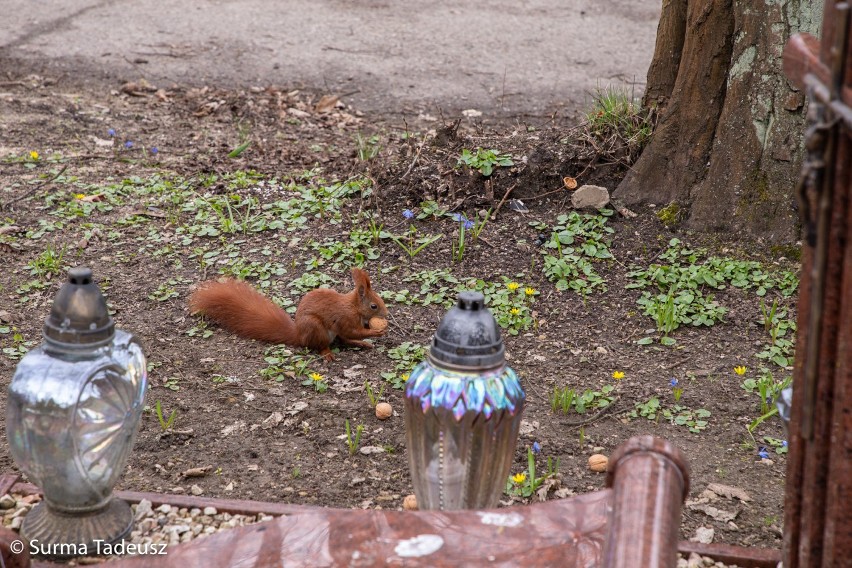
pixel 322 314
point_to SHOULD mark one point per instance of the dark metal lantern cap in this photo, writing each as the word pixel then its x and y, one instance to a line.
pixel 79 314
pixel 468 336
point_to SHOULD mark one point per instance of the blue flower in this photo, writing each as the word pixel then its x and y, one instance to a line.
pixel 673 382
pixel 128 144
pixel 111 132
pixel 536 447
pixel 154 150
pixel 408 214
pixel 468 224
pixel 784 443
pixel 457 217
pixel 763 453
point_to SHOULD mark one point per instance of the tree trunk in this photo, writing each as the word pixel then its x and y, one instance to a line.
pixel 667 53
pixel 728 146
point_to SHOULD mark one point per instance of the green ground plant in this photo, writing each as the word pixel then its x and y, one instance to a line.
pixel 526 484
pixel 353 441
pixel 577 242
pixel 405 357
pixel 484 161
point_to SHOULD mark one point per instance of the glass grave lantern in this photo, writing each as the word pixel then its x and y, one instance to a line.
pixel 74 406
pixel 463 408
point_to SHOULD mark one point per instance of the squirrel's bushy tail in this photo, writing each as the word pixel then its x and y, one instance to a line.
pixel 241 309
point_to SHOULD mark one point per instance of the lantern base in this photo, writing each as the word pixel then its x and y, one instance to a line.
pixel 61 536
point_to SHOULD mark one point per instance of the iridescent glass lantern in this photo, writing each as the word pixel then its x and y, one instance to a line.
pixel 463 409
pixel 73 412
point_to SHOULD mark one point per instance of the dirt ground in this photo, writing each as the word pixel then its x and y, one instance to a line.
pixel 242 411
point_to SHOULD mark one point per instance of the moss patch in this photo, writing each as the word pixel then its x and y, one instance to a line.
pixel 671 215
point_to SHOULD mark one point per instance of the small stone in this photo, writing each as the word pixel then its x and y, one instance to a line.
pixel 16 523
pixel 210 511
pixel 164 508
pixel 209 530
pixel 590 197
pixel 703 535
pixel 7 501
pixel 178 489
pixel 196 490
pixel 410 503
pixel 143 509
pixel 194 512
pixel 694 561
pixel 187 536
pixel 174 538
pixel 29 499
pixel 196 529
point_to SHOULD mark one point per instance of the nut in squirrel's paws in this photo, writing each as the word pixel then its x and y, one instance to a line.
pixel 379 324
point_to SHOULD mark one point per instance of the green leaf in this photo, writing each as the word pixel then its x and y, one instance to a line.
pixel 645 341
pixel 667 341
pixel 239 149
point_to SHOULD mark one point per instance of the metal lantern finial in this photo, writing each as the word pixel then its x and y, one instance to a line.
pixel 74 408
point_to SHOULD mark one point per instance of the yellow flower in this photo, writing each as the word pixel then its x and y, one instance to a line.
pixel 404 378
pixel 618 375
pixel 519 477
pixel 514 311
pixel 513 286
pixel 34 155
pixel 529 291
pixel 316 377
pixel 740 370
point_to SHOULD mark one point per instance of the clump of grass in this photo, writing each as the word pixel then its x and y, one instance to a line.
pixel 619 123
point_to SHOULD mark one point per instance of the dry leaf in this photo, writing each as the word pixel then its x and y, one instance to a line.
pixel 570 183
pixel 729 492
pixel 711 511
pixel 326 103
pixel 197 471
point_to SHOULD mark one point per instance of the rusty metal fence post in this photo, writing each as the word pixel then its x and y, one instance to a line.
pixel 818 499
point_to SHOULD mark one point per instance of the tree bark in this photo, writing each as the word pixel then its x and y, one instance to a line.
pixel 728 146
pixel 662 73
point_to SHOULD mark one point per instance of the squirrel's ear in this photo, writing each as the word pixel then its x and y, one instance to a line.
pixel 361 280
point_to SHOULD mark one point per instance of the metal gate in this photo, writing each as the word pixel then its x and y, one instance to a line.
pixel 818 499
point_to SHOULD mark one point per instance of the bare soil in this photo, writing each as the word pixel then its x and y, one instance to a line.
pixel 226 409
